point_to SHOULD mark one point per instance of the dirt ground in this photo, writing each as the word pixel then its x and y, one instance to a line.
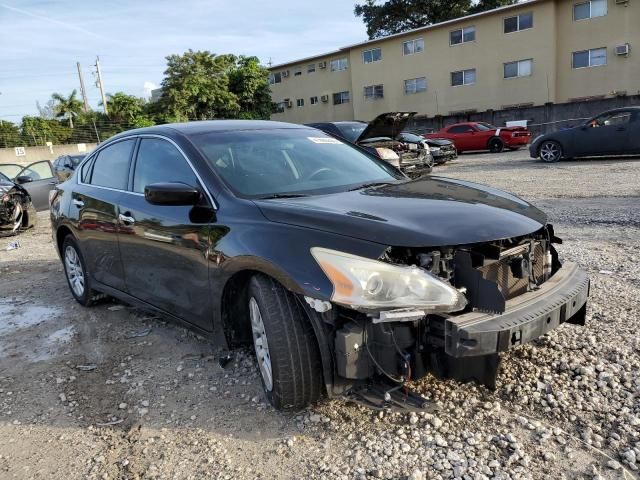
pixel 113 392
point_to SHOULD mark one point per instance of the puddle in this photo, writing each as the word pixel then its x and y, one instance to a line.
pixel 34 346
pixel 17 317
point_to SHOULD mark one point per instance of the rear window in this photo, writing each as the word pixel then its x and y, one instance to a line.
pixel 111 167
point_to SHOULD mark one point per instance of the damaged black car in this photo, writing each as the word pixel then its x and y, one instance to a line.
pixel 16 209
pixel 332 265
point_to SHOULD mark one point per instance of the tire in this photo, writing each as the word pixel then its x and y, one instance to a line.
pixel 495 145
pixel 285 345
pixel 550 151
pixel 76 272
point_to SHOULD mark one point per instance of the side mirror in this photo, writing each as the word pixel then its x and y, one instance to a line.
pixel 172 194
pixel 23 179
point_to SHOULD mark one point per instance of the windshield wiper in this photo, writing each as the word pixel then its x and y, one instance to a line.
pixel 283 195
pixel 369 185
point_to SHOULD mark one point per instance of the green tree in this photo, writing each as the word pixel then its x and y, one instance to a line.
pixel 67 107
pixel 249 81
pixel 196 86
pixel 39 131
pixel 395 16
pixel 9 135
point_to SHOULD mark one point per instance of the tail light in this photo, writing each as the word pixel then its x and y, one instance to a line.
pixel 53 194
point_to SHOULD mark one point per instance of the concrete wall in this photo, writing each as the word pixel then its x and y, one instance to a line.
pixel 549 44
pixel 33 154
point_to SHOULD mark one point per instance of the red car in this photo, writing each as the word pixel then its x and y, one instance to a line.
pixel 483 136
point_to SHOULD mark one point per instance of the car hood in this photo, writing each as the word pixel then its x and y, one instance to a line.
pixel 386 125
pixel 427 212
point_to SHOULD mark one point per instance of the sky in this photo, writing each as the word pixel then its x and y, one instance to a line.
pixel 41 40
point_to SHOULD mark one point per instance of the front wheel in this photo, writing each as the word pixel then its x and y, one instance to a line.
pixel 550 151
pixel 285 344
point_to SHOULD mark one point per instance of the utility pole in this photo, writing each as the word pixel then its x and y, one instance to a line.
pixel 101 86
pixel 83 92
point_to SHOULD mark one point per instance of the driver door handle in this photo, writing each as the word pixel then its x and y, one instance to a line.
pixel 126 219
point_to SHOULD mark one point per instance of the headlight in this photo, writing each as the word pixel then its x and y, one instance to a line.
pixel 388 155
pixel 435 149
pixel 367 284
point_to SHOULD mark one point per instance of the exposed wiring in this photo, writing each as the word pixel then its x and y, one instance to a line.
pixel 366 344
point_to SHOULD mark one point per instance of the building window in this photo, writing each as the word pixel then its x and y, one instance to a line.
pixel 313 100
pixel 300 102
pixel 595 57
pixel 373 55
pixel 339 64
pixel 519 22
pixel 585 10
pixel 521 68
pixel 413 46
pixel 311 68
pixel 415 85
pixel 463 35
pixel 275 77
pixel 297 71
pixel 340 98
pixel 463 77
pixel 373 92
pixel 280 106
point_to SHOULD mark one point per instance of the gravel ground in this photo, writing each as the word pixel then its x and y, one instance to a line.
pixel 112 392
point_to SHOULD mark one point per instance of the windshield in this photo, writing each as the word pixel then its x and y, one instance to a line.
pixel 262 163
pixel 10 170
pixel 483 127
pixel 351 130
pixel 411 137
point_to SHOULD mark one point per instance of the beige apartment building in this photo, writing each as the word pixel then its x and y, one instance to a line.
pixel 528 54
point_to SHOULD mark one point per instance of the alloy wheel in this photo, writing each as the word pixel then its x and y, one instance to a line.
pixel 75 273
pixel 550 152
pixel 261 344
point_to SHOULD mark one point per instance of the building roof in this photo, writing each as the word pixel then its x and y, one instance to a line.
pixel 466 18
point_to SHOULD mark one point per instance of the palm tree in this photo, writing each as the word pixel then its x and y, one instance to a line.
pixel 66 107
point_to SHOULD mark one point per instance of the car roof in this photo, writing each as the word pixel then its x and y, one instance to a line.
pixel 208 126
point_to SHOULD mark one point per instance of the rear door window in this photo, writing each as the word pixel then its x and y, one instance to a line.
pixel 159 161
pixel 111 167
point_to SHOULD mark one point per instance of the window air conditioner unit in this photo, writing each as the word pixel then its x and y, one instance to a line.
pixel 623 50
pixel 322 64
pixel 285 73
pixel 324 98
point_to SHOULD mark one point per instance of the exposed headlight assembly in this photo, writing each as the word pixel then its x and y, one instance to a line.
pixel 366 284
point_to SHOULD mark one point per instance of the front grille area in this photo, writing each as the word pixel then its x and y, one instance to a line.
pixel 502 271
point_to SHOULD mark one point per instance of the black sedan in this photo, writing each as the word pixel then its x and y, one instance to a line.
pixel 441 149
pixel 331 263
pixel 16 210
pixel 615 132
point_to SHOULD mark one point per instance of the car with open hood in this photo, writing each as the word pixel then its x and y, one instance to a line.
pixel 16 209
pixel 483 136
pixel 441 150
pixel 334 266
pixel 37 179
pixel 382 137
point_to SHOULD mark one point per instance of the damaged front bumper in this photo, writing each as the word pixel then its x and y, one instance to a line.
pixel 561 299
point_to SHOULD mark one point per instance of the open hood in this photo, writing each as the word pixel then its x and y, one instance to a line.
pixel 386 125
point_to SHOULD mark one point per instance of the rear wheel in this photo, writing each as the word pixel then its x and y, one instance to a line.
pixel 285 345
pixel 550 151
pixel 76 272
pixel 496 145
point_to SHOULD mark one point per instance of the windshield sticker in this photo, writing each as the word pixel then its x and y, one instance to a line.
pixel 333 141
